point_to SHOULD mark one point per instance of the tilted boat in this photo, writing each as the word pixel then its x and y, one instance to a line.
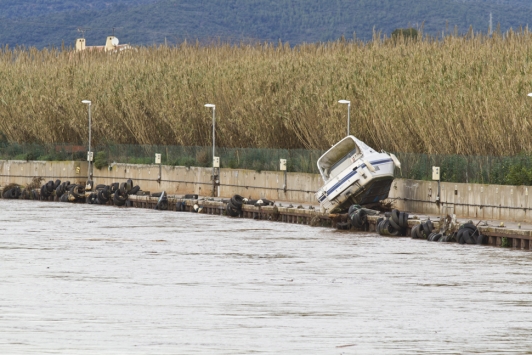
pixel 354 173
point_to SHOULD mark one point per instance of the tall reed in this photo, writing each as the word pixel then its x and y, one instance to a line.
pixel 457 95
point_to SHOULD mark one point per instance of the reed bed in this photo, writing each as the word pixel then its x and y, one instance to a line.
pixel 458 95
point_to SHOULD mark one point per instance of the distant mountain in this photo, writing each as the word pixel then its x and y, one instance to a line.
pixel 145 22
pixel 523 3
pixel 33 8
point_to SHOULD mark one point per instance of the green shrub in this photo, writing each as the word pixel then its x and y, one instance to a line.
pixel 30 156
pixel 188 162
pixel 405 33
pixel 100 161
pixel 518 175
pixel 504 242
pixel 231 164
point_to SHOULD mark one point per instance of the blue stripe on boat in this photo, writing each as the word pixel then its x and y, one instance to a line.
pixel 351 174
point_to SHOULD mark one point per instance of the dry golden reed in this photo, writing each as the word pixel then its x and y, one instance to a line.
pixel 459 95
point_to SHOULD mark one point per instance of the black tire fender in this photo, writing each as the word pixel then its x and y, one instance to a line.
pixel 392 231
pixel 427 228
pixel 122 189
pixel 78 192
pixel 60 190
pixel 134 190
pixel 377 228
pixel 102 197
pixel 50 186
pixel 419 231
pixel 231 211
pixel 460 237
pixel 44 192
pixel 468 236
pixel 237 201
pixel 384 227
pixel 405 220
pixel 413 232
pixel 469 226
pixel 162 205
pixel 114 187
pixel 92 199
pixel 393 223
pixel 359 218
pixel 395 216
pixel 353 208
pixel 129 185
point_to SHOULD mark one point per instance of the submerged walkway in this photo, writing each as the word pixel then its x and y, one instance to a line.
pixel 500 233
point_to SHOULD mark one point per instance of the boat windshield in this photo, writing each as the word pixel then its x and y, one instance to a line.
pixel 347 156
pixel 336 156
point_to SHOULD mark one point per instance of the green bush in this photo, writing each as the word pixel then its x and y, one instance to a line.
pixel 231 164
pixel 141 160
pixel 505 243
pixel 184 161
pixel 100 161
pixel 187 161
pixel 405 32
pixel 30 156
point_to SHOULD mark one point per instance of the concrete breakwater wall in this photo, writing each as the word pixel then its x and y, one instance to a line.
pixel 476 201
pixel 273 185
pixel 487 202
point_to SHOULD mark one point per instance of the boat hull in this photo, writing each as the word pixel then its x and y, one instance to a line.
pixel 354 173
pixel 370 191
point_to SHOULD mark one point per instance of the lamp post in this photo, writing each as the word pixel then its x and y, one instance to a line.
pixel 87 102
pixel 213 144
pixel 348 112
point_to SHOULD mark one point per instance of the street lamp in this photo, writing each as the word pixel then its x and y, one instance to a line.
pixel 87 102
pixel 348 112
pixel 213 143
pixel 213 125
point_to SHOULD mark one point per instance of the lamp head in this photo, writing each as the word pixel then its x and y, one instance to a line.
pixel 530 94
pixel 344 102
pixel 88 102
pixel 211 106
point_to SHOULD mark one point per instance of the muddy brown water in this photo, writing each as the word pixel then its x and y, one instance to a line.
pixel 81 279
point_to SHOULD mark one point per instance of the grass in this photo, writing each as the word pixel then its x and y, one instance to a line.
pixel 460 95
pixel 505 243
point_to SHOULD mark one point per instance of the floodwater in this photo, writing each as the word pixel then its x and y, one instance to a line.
pixel 85 279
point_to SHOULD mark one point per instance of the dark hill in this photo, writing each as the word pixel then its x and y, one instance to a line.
pixel 145 22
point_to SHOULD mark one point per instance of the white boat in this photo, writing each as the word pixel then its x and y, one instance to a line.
pixel 354 173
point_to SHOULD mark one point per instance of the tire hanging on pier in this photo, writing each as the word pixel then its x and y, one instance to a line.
pixel 395 223
pixel 232 209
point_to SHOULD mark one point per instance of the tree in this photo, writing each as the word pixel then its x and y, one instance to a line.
pixel 405 32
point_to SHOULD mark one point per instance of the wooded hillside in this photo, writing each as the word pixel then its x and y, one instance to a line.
pixel 146 22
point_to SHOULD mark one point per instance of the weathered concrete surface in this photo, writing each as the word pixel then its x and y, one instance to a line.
pixel 22 172
pixel 475 201
pixel 248 183
pixel 300 188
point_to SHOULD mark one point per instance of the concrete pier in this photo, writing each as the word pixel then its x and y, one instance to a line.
pixel 467 201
